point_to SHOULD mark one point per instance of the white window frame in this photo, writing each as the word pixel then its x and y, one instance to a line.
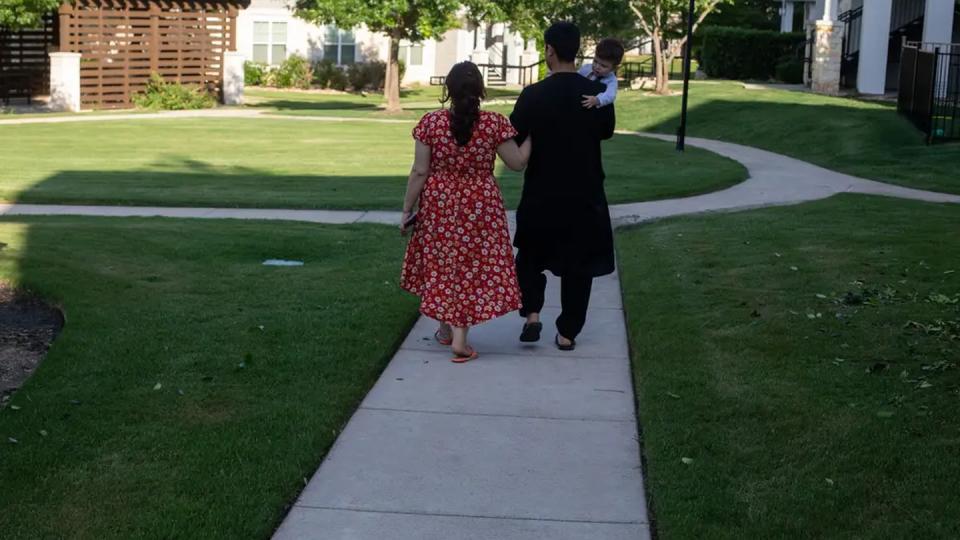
pixel 406 53
pixel 340 44
pixel 270 43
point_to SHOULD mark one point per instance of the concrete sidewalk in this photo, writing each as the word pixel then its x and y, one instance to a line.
pixel 525 442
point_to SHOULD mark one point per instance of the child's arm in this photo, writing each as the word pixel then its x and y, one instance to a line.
pixel 604 98
pixel 609 95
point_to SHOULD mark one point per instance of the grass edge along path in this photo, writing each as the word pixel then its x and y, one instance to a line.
pixel 795 370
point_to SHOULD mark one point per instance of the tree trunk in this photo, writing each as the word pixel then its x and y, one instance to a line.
pixel 661 69
pixel 391 90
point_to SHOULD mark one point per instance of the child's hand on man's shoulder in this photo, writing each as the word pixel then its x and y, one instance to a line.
pixel 590 102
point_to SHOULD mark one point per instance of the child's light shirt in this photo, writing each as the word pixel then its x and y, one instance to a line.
pixel 609 95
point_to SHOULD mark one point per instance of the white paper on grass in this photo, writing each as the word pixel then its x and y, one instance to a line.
pixel 281 262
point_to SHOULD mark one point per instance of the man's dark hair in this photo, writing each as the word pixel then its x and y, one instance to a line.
pixel 564 37
pixel 610 50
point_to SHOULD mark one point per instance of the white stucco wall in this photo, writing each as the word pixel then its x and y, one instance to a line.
pixel 308 39
pixel 303 38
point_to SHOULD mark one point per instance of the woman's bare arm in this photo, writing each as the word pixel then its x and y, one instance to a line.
pixel 418 177
pixel 515 156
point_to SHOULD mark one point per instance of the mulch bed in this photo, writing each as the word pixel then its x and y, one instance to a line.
pixel 27 328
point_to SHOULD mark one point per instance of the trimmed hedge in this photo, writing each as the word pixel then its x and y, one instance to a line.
pixel 744 53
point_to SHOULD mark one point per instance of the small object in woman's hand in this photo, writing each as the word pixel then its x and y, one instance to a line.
pixel 408 223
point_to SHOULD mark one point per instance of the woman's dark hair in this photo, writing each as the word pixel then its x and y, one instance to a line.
pixel 464 91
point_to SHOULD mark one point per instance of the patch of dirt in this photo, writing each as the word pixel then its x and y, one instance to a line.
pixel 27 328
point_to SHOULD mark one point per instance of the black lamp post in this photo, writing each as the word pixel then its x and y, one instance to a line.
pixel 682 130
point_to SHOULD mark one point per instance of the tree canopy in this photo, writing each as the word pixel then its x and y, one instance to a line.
pixel 17 14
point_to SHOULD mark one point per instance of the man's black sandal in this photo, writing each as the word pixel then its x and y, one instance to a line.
pixel 531 332
pixel 562 347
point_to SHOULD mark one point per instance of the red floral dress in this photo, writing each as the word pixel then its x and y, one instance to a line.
pixel 459 259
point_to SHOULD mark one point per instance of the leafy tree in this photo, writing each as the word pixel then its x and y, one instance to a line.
pixel 17 14
pixel 664 21
pixel 414 20
pixel 595 18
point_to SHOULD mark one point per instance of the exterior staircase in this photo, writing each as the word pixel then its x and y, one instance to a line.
pixel 495 77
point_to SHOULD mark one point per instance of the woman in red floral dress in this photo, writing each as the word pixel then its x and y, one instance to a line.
pixel 459 259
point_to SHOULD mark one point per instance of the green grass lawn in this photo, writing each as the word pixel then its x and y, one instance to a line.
pixel 283 163
pixel 862 138
pixel 192 389
pixel 415 101
pixel 806 360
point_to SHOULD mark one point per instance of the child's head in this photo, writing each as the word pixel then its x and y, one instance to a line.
pixel 607 57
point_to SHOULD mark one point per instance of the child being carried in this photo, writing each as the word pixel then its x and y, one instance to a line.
pixel 606 60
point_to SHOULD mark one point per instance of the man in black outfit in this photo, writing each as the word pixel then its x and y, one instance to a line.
pixel 563 223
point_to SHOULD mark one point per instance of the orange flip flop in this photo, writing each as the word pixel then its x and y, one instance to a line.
pixel 446 342
pixel 461 359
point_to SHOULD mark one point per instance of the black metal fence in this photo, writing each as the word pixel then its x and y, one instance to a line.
pixel 852 21
pixel 529 74
pixel 930 89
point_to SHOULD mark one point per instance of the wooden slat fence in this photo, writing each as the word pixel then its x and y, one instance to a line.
pixel 123 43
pixel 24 60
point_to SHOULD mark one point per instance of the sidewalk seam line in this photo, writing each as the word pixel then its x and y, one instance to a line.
pixel 499 415
pixel 469 516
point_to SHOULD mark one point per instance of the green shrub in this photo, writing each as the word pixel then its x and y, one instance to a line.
pixel 743 53
pixel 294 72
pixel 338 80
pixel 253 73
pixel 323 71
pixel 172 96
pixel 790 70
pixel 368 75
pixel 327 74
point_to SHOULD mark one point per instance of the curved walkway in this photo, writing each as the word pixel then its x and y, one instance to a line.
pixel 526 442
pixel 774 180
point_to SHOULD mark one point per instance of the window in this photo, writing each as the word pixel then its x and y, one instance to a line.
pixel 412 55
pixel 340 46
pixel 416 55
pixel 269 42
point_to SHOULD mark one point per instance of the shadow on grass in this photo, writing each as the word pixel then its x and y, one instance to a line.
pixel 638 169
pixel 214 187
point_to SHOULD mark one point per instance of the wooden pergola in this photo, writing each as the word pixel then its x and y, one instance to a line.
pixel 123 42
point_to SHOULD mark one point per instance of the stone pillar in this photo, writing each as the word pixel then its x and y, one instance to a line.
pixel 233 78
pixel 827 50
pixel 938 22
pixel 786 16
pixel 65 81
pixel 874 44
